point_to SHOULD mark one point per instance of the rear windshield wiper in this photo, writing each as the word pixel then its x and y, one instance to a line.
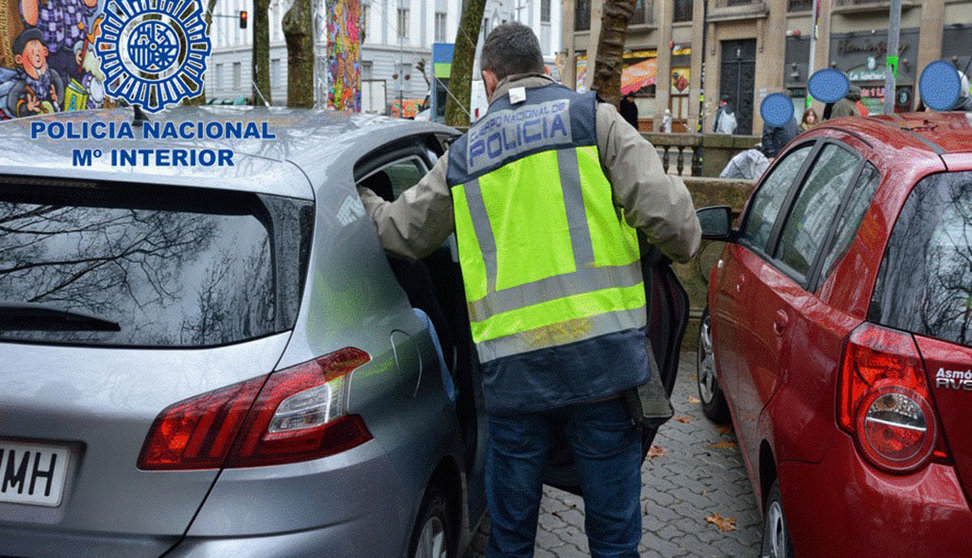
pixel 22 316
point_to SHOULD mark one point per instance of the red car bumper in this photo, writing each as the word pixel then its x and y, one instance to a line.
pixel 844 507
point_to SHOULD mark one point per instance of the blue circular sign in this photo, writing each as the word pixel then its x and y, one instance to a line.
pixel 153 52
pixel 828 85
pixel 940 86
pixel 776 110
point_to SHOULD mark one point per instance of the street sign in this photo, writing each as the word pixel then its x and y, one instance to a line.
pixel 892 62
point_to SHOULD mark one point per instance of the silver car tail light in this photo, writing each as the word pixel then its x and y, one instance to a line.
pixel 298 414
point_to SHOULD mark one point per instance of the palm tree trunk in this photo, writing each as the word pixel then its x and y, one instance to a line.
pixel 300 54
pixel 261 52
pixel 610 49
pixel 463 61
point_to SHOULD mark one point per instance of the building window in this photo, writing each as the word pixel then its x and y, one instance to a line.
pixel 582 15
pixel 440 27
pixel 545 11
pixel 683 10
pixel 237 74
pixel 643 12
pixel 366 69
pixel 402 23
pixel 365 17
pixel 274 72
pixel 799 5
pixel 219 76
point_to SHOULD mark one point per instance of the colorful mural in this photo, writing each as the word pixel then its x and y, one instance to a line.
pixel 47 58
pixel 344 54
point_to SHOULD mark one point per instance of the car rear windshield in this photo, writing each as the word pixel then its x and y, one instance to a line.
pixel 925 283
pixel 133 265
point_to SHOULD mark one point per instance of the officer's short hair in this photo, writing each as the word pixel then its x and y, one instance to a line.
pixel 510 49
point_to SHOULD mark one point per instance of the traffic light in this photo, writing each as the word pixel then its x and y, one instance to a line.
pixel 243 16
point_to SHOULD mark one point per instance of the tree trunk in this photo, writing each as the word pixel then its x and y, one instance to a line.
pixel 463 60
pixel 297 28
pixel 610 49
pixel 208 16
pixel 261 52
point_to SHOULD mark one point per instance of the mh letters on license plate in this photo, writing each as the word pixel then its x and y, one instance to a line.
pixel 32 473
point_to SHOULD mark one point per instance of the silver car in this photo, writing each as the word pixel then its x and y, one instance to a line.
pixel 211 361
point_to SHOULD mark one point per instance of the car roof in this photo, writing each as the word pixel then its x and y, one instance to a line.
pixel 938 133
pixel 308 144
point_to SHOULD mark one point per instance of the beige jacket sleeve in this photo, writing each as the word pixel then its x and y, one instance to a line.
pixel 654 202
pixel 419 221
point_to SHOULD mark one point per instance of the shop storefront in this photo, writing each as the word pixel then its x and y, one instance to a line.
pixel 862 57
pixel 639 76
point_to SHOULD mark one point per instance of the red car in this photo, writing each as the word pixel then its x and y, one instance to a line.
pixel 838 336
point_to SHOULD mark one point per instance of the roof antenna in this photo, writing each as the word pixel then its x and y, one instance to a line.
pixel 140 117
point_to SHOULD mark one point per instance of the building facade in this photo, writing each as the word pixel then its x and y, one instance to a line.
pixel 396 36
pixel 699 50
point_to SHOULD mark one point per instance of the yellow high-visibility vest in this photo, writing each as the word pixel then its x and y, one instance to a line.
pixel 546 257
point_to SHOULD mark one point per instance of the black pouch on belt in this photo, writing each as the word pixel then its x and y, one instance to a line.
pixel 648 404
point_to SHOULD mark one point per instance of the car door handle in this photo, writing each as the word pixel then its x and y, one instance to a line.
pixel 779 324
pixel 740 283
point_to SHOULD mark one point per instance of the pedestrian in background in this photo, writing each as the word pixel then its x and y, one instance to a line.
pixel 809 120
pixel 666 126
pixel 848 105
pixel 629 110
pixel 725 118
pixel 560 333
pixel 775 138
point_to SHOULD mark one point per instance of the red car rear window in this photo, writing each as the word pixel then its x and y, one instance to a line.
pixel 925 283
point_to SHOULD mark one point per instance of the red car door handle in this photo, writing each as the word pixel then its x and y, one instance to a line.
pixel 779 324
pixel 739 285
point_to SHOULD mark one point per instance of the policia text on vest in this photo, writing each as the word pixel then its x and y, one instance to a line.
pixel 508 133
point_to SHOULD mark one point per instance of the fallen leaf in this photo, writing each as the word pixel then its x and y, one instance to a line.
pixel 683 420
pixel 727 429
pixel 694 399
pixel 656 451
pixel 704 491
pixel 724 445
pixel 723 523
pixel 694 378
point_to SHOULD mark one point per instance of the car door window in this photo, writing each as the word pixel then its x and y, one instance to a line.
pixel 405 174
pixel 815 208
pixel 925 282
pixel 767 201
pixel 850 219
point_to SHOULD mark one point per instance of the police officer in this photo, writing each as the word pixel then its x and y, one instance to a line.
pixel 544 194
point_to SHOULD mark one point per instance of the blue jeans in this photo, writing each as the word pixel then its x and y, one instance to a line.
pixel 607 453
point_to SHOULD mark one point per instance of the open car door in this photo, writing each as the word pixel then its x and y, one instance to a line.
pixel 668 308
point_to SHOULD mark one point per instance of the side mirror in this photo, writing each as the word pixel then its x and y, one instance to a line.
pixel 716 222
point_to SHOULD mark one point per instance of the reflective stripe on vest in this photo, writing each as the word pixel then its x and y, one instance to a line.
pixel 546 258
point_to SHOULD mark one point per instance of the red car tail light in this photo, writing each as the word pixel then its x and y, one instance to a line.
pixel 299 414
pixel 883 400
pixel 197 433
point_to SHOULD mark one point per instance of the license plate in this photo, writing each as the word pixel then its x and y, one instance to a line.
pixel 32 473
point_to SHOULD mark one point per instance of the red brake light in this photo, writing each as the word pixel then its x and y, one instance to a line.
pixel 197 433
pixel 883 400
pixel 299 414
